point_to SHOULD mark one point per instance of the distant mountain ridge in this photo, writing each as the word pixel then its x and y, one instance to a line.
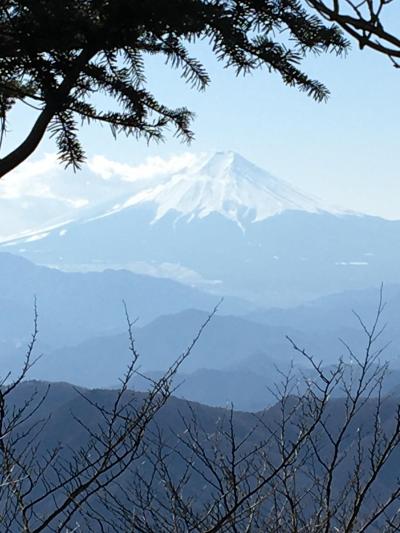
pixel 235 359
pixel 83 337
pixel 76 306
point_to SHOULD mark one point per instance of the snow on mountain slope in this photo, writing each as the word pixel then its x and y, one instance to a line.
pixel 227 184
pixel 189 186
pixel 40 195
pixel 250 235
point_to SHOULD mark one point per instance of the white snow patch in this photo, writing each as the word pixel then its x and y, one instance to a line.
pixel 352 263
pixel 37 237
pixel 31 235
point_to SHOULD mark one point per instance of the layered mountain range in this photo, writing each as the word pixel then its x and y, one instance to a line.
pixel 83 337
pixel 165 249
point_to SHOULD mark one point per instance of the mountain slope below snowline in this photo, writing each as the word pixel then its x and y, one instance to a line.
pixel 338 312
pixel 73 307
pixel 229 343
pixel 226 341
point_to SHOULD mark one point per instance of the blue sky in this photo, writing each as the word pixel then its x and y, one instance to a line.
pixel 346 151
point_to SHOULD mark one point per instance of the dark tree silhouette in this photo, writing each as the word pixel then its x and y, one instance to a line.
pixel 368 22
pixel 55 55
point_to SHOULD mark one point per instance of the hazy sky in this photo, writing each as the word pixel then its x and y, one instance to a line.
pixel 345 151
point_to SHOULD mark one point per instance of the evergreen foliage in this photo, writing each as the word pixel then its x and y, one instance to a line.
pixel 57 54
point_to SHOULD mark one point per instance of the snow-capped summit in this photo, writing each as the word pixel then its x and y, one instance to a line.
pixel 224 183
pixel 187 187
pixel 138 218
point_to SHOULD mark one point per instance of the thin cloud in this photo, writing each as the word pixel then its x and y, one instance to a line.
pixel 41 192
pixel 30 178
pixel 152 167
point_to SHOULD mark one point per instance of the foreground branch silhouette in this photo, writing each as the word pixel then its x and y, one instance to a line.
pixel 366 21
pixel 314 462
pixel 322 459
pixel 57 56
pixel 44 491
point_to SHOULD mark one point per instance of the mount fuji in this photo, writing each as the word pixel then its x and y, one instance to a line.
pixel 225 225
pixel 225 184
